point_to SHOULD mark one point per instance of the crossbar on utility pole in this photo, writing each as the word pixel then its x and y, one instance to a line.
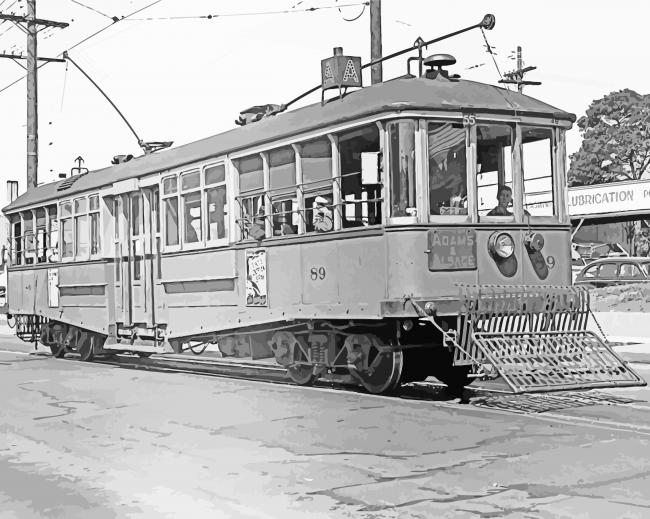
pixel 516 77
pixel 32 23
pixel 20 56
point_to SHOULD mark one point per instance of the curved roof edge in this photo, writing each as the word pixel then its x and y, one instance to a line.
pixel 395 95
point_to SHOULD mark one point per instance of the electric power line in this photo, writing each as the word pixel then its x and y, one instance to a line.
pixel 87 38
pixel 91 9
pixel 256 13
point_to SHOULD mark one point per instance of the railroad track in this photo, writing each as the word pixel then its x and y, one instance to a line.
pixel 491 399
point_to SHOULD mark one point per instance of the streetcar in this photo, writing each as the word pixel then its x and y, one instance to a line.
pixel 412 228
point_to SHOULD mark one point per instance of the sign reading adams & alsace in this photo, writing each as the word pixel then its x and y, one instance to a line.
pixel 452 249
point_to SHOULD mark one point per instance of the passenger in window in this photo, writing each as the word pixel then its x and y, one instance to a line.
pixel 322 215
pixel 447 182
pixel 504 197
pixel 257 230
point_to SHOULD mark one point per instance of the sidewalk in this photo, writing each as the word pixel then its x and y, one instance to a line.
pixel 622 327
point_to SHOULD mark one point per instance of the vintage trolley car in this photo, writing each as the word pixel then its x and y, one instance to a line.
pixel 411 228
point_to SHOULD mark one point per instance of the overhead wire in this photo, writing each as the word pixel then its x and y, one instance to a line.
pixel 354 18
pixel 92 9
pixel 254 13
pixel 116 20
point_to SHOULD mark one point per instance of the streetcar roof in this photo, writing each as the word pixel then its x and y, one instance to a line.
pixel 395 95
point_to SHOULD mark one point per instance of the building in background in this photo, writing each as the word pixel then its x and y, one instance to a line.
pixel 616 213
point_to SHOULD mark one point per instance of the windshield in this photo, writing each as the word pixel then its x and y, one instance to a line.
pixel 646 268
pixel 494 169
pixel 447 169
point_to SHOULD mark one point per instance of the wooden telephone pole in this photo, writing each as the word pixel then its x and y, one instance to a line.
pixel 516 76
pixel 376 71
pixel 31 28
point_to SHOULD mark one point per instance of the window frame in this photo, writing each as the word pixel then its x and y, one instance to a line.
pixel 202 188
pixel 227 209
pixel 62 219
pixel 182 193
pixel 91 212
pixel 74 214
pixel 470 167
pixel 163 204
pixel 554 150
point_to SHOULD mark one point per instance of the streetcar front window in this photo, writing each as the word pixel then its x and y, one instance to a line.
pixel 537 166
pixel 402 168
pixel 494 170
pixel 447 169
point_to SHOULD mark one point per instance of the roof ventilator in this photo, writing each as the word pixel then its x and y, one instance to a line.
pixel 75 173
pixel 435 64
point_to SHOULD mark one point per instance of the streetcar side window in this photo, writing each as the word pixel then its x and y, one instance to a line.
pixel 361 197
pixel 28 233
pixel 170 204
pixel 191 200
pixel 95 231
pixel 81 229
pixel 17 236
pixel 65 229
pixel 446 145
pixel 41 235
pixel 52 240
pixel 251 197
pixel 316 163
pixel 216 201
pixel 282 164
pixel 402 168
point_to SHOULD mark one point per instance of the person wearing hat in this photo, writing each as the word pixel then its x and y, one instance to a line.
pixel 322 215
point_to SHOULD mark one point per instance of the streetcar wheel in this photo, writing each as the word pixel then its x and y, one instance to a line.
pixel 383 375
pixel 144 354
pixel 58 350
pixel 85 348
pixel 301 374
pixel 378 370
pixel 300 371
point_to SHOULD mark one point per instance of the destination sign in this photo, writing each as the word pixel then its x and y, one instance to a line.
pixel 452 249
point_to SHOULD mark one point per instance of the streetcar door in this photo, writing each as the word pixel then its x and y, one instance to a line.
pixel 141 252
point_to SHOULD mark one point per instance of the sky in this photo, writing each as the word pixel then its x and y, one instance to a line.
pixel 183 79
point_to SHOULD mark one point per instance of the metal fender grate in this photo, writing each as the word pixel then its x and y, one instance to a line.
pixel 544 361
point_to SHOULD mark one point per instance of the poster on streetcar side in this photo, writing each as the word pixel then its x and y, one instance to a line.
pixel 256 294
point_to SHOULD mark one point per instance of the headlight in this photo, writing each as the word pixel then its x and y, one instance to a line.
pixel 501 245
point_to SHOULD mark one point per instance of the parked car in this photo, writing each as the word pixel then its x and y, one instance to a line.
pixel 614 271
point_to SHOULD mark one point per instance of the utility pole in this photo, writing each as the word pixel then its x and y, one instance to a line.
pixel 376 72
pixel 516 76
pixel 32 24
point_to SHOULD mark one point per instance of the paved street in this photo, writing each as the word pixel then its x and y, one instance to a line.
pixel 93 440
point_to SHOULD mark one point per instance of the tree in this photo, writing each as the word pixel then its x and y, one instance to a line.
pixel 616 140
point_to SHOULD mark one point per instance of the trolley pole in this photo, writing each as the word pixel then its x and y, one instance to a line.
pixel 31 28
pixel 376 72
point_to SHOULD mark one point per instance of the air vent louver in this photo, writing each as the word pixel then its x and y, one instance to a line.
pixel 67 183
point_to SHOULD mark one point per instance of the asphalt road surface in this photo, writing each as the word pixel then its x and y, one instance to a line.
pixel 87 440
